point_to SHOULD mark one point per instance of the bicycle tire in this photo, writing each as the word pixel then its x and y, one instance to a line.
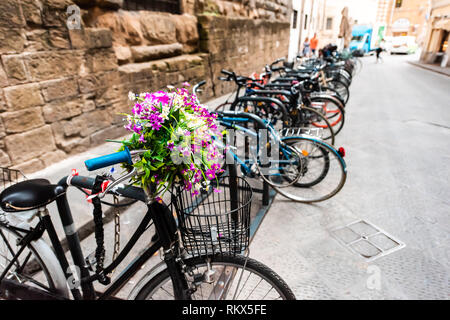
pixel 36 264
pixel 335 116
pixel 332 92
pixel 332 134
pixel 315 193
pixel 162 278
pixel 341 87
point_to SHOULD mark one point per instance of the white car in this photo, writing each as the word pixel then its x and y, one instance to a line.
pixel 402 44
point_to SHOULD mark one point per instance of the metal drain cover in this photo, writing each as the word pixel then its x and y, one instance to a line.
pixel 366 240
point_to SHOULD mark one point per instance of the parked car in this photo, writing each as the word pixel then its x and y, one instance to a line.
pixel 401 44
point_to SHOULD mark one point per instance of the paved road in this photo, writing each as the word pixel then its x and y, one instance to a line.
pixel 397 138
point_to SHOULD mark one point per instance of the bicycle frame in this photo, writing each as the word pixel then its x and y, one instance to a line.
pixel 165 226
pixel 230 123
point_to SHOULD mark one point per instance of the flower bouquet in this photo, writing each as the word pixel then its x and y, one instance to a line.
pixel 178 135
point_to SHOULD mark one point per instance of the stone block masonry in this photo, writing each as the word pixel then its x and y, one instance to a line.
pixel 61 90
pixel 241 45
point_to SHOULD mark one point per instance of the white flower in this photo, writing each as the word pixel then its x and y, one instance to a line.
pixel 131 96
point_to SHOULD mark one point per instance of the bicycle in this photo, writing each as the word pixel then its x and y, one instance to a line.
pixel 278 106
pixel 321 167
pixel 202 249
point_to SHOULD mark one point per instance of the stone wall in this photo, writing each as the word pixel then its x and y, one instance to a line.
pixel 56 88
pixel 253 9
pixel 61 90
pixel 241 45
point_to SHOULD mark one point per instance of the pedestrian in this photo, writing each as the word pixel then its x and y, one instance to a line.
pixel 378 51
pixel 313 43
pixel 306 47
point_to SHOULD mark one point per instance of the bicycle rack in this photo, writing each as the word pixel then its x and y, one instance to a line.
pixel 268 195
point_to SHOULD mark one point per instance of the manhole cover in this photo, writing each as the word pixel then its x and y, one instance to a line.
pixel 367 240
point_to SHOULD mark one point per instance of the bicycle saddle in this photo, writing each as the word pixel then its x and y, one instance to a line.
pixel 30 194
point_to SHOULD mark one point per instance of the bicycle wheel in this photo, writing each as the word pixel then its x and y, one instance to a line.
pixel 332 110
pixel 311 118
pixel 282 170
pixel 30 268
pixel 332 92
pixel 233 278
pixel 340 87
pixel 324 171
pixel 358 65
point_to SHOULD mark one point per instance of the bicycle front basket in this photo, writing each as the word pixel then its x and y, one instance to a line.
pixel 214 222
pixel 8 177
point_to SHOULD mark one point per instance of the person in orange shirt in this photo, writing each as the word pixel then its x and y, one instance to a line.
pixel 313 43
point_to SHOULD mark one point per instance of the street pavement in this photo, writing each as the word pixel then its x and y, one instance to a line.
pixel 397 140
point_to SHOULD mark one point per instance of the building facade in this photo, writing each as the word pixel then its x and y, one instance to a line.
pixel 408 18
pixel 67 65
pixel 436 49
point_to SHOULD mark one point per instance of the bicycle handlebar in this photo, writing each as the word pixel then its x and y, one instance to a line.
pixel 277 61
pixel 198 85
pixel 109 160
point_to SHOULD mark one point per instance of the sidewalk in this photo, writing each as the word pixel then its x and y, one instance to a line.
pixel 432 67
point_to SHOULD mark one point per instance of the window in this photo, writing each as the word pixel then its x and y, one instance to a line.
pixel 329 25
pixel 306 21
pixel 398 3
pixel 171 6
pixel 294 22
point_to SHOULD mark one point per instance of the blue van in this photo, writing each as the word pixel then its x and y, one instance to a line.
pixel 361 38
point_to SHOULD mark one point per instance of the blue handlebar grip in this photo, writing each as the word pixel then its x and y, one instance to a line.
pixel 109 160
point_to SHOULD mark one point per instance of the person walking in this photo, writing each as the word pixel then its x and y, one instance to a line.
pixel 378 51
pixel 306 47
pixel 313 44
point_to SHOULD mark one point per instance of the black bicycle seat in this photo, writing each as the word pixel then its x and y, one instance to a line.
pixel 29 194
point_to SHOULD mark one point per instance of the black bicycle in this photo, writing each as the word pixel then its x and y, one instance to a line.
pixel 202 248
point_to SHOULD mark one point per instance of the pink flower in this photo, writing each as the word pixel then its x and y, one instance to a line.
pixel 217 190
pixel 186 84
pixel 161 96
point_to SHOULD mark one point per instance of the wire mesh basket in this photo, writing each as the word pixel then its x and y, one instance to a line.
pixel 8 177
pixel 215 222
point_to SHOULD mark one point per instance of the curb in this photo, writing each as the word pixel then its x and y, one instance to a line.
pixel 424 66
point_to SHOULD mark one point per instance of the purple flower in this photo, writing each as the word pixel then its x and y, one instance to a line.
pixel 142 139
pixel 217 190
pixel 210 174
pixel 170 145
